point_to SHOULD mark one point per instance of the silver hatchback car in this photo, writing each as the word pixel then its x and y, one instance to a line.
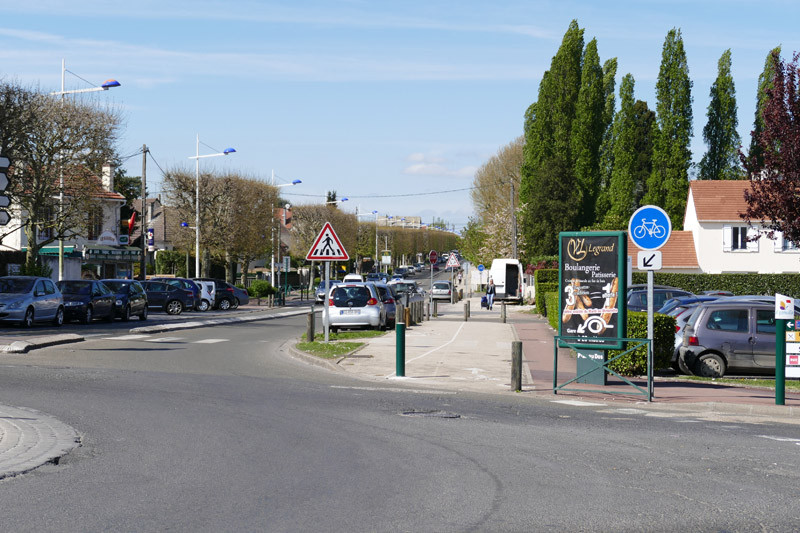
pixel 356 305
pixel 28 299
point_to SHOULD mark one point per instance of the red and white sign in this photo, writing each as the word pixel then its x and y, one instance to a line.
pixel 327 246
pixel 452 261
pixel 433 256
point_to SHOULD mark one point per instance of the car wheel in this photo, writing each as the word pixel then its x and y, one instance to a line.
pixel 126 313
pixel 710 365
pixel 174 307
pixel 27 320
pixel 143 314
pixel 87 316
pixel 58 320
pixel 204 306
pixel 235 303
pixel 225 304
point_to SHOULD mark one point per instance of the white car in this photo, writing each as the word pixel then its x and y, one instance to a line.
pixel 356 305
pixel 208 291
pixel 441 290
pixel 349 278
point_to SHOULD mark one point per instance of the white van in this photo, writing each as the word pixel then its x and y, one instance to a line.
pixel 349 278
pixel 507 276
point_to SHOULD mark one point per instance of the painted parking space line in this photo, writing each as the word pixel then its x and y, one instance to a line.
pixel 165 339
pixel 210 341
pixel 126 338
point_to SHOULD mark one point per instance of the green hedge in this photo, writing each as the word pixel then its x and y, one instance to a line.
pixel 261 289
pixel 542 290
pixel 546 275
pixel 635 363
pixel 769 284
pixel 551 303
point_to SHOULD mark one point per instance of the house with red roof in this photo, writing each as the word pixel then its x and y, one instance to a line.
pixel 715 239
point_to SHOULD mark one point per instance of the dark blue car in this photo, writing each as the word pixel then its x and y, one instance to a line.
pixel 166 297
pixel 86 299
pixel 130 298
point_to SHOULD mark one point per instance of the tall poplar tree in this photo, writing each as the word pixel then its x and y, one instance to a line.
pixel 765 83
pixel 587 133
pixel 606 155
pixel 668 184
pixel 721 161
pixel 548 186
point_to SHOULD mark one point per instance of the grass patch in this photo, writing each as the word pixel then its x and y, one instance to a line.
pixel 359 334
pixel 329 350
pixel 791 384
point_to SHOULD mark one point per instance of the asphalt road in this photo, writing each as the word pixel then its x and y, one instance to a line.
pixel 215 429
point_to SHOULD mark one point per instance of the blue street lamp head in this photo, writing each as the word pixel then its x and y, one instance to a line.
pixel 343 199
pixel 374 212
pixel 295 182
pixel 184 224
pixel 109 84
pixel 227 151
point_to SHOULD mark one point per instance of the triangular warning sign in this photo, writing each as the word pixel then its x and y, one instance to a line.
pixel 452 261
pixel 327 246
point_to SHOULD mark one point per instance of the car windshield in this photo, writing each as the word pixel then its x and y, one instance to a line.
pixel 117 286
pixel 74 287
pixel 441 285
pixel 351 296
pixel 15 285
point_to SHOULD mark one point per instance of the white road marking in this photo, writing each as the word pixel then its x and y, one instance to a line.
pixel 165 339
pixel 211 341
pixel 579 403
pixel 435 349
pixel 781 439
pixel 390 389
pixel 126 337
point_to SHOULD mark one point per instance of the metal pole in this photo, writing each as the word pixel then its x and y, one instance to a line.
pixel 516 366
pixel 400 351
pixel 780 362
pixel 310 325
pixel 650 305
pixel 466 311
pixel 513 223
pixel 503 312
pixel 143 260
pixel 61 193
pixel 326 300
pixel 197 211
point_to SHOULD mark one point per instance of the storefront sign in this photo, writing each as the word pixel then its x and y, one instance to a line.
pixel 592 287
pixel 107 238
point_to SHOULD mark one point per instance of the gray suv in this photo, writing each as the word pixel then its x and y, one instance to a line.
pixel 730 335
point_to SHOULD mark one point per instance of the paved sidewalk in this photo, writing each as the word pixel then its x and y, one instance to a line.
pixel 448 353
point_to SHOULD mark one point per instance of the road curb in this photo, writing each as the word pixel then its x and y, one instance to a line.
pixel 41 342
pixel 330 364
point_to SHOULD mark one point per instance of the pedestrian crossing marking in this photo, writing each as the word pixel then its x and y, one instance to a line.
pixel 126 338
pixel 165 339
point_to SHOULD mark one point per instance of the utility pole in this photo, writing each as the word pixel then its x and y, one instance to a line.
pixel 513 223
pixel 143 221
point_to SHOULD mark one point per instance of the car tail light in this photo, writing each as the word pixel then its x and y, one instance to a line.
pixel 372 301
pixel 388 301
pixel 693 341
pixel 677 328
pixel 330 302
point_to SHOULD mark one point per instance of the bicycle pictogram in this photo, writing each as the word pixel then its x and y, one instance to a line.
pixel 652 228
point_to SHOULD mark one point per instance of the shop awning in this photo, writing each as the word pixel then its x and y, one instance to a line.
pixel 69 251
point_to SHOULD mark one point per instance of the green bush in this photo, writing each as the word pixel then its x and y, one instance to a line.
pixel 551 305
pixel 542 290
pixel 546 275
pixel 261 289
pixel 768 284
pixel 32 268
pixel 635 363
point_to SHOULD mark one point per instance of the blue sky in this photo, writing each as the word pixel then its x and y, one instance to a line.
pixel 368 98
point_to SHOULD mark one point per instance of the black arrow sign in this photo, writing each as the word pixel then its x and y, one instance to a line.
pixel 648 261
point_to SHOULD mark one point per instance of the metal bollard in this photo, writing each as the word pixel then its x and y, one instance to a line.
pixel 503 312
pixel 310 326
pixel 469 309
pixel 516 366
pixel 400 350
pixel 407 316
pixel 466 311
pixel 436 308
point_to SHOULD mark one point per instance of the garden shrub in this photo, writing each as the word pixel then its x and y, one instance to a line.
pixel 767 284
pixel 635 363
pixel 551 307
pixel 261 289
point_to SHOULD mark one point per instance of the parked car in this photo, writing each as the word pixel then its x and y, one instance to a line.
pixel 377 277
pixel 401 271
pixel 637 299
pixel 86 299
pixel 166 297
pixel 28 299
pixel 441 290
pixel 352 277
pixel 730 335
pixel 192 289
pixel 240 296
pixel 389 299
pixel 208 290
pixel 683 301
pixel 319 297
pixel 130 298
pixel 356 305
pixel 408 289
pixel 224 294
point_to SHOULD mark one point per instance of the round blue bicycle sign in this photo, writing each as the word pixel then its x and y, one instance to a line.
pixel 649 227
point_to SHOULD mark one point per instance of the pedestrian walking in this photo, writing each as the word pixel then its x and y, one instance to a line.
pixel 490 292
pixel 459 277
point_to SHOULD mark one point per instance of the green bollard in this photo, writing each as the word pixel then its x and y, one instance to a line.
pixel 400 352
pixel 780 362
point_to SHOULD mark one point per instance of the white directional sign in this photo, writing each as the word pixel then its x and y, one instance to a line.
pixel 327 246
pixel 648 260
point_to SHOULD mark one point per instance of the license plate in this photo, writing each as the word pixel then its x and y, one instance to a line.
pixel 350 312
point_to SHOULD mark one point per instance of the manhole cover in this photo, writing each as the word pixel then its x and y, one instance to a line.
pixel 430 414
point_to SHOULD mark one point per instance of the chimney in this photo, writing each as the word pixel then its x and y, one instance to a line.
pixel 108 177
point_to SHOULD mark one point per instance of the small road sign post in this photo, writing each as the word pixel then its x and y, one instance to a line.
pixel 327 247
pixel 649 228
pixel 432 258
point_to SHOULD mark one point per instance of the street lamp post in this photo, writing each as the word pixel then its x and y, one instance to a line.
pixel 108 84
pixel 197 158
pixel 376 236
pixel 272 231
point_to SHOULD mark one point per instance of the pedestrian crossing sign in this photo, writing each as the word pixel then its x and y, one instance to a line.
pixel 327 246
pixel 452 262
